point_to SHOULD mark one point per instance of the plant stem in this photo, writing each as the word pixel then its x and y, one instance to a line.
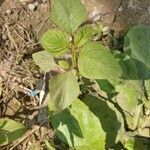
pixel 73 56
pixel 73 51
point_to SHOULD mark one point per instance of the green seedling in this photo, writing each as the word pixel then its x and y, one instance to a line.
pixel 90 116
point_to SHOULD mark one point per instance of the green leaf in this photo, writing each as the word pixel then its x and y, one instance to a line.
pixel 129 95
pixel 83 35
pixel 44 60
pixel 56 42
pixel 132 118
pixel 137 45
pixel 136 143
pixel 10 130
pixel 128 65
pixel 68 14
pixel 49 145
pixel 63 64
pixel 129 144
pixel 106 86
pixel 96 62
pixel 79 127
pixel 63 89
pixel 109 117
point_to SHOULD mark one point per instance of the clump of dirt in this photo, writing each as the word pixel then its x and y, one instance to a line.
pixel 119 14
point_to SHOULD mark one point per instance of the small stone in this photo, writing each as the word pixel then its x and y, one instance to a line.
pixel 106 30
pixel 120 9
pixel 70 38
pixel 8 12
pixel 32 7
pixel 94 13
pixel 36 4
pixel 97 17
pixel 4 37
pixel 18 80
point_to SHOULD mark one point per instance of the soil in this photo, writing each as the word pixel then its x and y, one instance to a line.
pixel 22 23
pixel 119 14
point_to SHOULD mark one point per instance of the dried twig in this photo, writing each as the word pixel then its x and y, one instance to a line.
pixel 29 133
pixel 11 39
pixel 19 35
pixel 43 23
